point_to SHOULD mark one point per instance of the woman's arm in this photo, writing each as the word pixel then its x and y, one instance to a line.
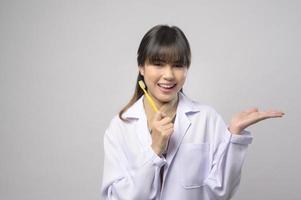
pixel 227 156
pixel 124 180
pixel 229 150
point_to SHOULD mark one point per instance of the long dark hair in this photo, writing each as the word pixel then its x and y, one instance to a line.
pixel 161 42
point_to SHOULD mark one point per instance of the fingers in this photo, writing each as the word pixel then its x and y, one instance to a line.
pixel 159 116
pixel 264 114
pixel 162 123
pixel 162 118
pixel 167 132
pixel 255 117
pixel 250 110
pixel 162 129
pixel 167 126
pixel 275 112
pixel 165 121
pixel 271 114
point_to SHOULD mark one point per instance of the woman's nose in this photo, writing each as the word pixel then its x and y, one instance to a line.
pixel 168 73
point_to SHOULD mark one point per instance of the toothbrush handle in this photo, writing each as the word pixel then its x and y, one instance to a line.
pixel 151 102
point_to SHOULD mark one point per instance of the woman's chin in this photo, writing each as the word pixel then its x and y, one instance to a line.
pixel 167 98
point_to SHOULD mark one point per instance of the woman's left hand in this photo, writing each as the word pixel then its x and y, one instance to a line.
pixel 251 116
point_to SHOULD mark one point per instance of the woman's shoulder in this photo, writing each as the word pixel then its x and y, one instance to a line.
pixel 115 125
pixel 205 113
pixel 200 107
pixel 117 122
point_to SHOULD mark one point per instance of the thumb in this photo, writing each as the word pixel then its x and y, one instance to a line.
pixel 159 115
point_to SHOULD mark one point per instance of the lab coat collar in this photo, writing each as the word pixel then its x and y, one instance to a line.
pixel 185 105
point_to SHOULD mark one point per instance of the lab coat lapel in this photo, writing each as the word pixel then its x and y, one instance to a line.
pixel 181 126
pixel 136 112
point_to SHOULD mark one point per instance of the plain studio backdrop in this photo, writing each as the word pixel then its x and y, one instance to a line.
pixel 67 67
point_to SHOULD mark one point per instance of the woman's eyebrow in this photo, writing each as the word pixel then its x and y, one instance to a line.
pixel 177 62
pixel 159 60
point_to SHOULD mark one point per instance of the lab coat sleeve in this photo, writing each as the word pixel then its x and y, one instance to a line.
pixel 125 180
pixel 227 157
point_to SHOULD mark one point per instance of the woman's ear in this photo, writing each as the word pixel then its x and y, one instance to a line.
pixel 141 70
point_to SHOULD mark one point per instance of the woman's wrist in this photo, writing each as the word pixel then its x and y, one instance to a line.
pixel 235 130
pixel 156 150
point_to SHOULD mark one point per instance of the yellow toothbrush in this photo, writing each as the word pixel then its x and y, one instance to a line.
pixel 151 102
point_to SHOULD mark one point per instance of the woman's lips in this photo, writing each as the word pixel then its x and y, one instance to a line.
pixel 167 87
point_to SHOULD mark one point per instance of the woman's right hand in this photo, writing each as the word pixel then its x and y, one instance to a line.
pixel 162 128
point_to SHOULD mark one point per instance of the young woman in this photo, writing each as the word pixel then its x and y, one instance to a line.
pixel 182 152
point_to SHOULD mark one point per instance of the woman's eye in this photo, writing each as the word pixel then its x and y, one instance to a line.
pixel 158 64
pixel 178 65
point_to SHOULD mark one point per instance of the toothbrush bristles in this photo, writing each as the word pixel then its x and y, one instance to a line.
pixel 141 83
pixel 151 102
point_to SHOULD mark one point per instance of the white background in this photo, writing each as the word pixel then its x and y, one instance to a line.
pixel 67 67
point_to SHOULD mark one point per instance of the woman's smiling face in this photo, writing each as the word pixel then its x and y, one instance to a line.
pixel 163 81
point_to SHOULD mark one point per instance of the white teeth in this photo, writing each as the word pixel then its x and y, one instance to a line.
pixel 166 86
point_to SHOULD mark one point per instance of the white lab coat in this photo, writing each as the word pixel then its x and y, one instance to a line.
pixel 203 162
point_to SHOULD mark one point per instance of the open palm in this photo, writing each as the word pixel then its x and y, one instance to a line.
pixel 251 116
